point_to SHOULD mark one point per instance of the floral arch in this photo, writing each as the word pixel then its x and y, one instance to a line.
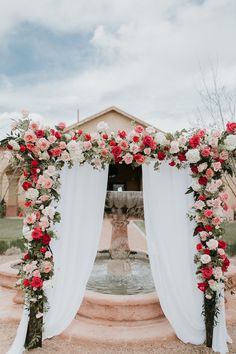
pixel 41 153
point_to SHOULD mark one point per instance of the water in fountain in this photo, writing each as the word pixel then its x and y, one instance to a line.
pixel 128 277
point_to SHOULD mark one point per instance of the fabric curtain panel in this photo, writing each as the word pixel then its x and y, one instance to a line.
pixel 83 192
pixel 171 248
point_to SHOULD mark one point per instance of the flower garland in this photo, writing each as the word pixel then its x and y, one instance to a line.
pixel 42 152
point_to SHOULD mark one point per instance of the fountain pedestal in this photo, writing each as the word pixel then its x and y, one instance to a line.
pixel 119 248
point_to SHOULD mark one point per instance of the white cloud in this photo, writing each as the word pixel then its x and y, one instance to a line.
pixel 148 56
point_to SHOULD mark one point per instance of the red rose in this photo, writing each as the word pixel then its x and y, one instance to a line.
pixel 207 251
pixel 161 155
pixel 122 134
pixel 104 136
pixel 26 185
pixel 26 256
pixel 39 133
pixel 37 233
pixel 198 229
pixel 26 283
pixel 202 181
pixel 181 156
pixel 148 140
pixel 9 147
pixel 231 127
pixel 172 163
pixel 194 141
pixel 43 249
pixel 22 148
pixel 46 239
pixel 206 272
pixel 80 132
pixel 36 282
pixel 139 158
pixel 112 143
pixel 34 163
pixel 87 137
pixel 28 204
pixel 202 286
pixel 208 228
pixel 225 265
pixel 58 135
pixel 116 151
pixel 52 131
pixel 199 247
pixel 56 152
pixel 194 168
pixel 222 244
pixel 135 139
pixel 202 198
pixel 74 137
pixel 26 173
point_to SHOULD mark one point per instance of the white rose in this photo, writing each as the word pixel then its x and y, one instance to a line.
pixel 218 274
pixel 174 147
pixel 44 156
pixel 202 167
pixel 193 155
pixel 212 244
pixel 49 211
pixel 199 205
pixel 150 130
pixel 219 212
pixel 101 126
pixel 195 185
pixel 14 144
pixel 230 142
pixel 32 194
pixel 161 138
pixel 205 258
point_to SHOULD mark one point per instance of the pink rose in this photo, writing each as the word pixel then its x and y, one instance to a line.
pixel 147 151
pixel 34 125
pixel 224 155
pixel 216 221
pixel 206 151
pixel 29 136
pixel 104 152
pixel 48 254
pixel 43 144
pixel 47 183
pixel 208 213
pixel 62 145
pixel 65 156
pixel 139 129
pixel 216 166
pixel 87 145
pixel 30 219
pixel 47 267
pixel 36 273
pixel 224 196
pixel 209 173
pixel 61 125
pixel 52 139
pixel 123 144
pixel 128 158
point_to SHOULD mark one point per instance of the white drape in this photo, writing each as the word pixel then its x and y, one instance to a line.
pixel 83 192
pixel 171 248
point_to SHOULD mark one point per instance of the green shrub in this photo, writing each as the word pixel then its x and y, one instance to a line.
pixel 3 246
pixel 231 249
pixel 2 208
pixel 18 243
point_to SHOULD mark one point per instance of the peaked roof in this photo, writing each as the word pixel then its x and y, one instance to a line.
pixel 107 110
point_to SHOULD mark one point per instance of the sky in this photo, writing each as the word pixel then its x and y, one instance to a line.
pixel 145 57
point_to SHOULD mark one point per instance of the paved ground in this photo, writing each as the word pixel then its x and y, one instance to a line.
pixel 59 346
